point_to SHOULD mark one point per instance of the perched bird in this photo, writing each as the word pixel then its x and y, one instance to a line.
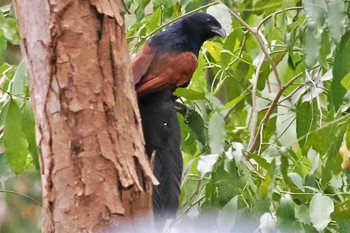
pixel 167 61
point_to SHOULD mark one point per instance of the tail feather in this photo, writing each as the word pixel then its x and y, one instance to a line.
pixel 162 134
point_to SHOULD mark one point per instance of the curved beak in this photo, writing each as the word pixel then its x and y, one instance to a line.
pixel 218 31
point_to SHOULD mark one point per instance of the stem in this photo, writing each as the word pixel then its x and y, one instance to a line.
pixel 255 112
pixel 22 195
pixel 278 12
pixel 252 145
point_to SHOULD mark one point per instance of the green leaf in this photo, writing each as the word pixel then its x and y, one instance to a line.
pixel 347 136
pixel 28 126
pixel 286 214
pixel 15 143
pixel 154 22
pixel 312 47
pixel 189 94
pixel 345 82
pixel 344 226
pixel 216 133
pixel 199 81
pixel 19 83
pixel 284 171
pixel 340 69
pixel 316 17
pixel 3 46
pixel 316 12
pixel 342 211
pixel 196 124
pixel 261 161
pixel 336 18
pixel 302 214
pixel 222 14
pixel 5 170
pixel 10 29
pixel 214 49
pixel 206 163
pixel 320 210
pixel 325 49
pixel 303 122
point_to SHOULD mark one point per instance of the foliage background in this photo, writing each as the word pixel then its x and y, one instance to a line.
pixel 265 120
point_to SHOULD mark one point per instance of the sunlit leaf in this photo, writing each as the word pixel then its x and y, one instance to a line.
pixel 336 18
pixel 216 133
pixel 189 94
pixel 15 142
pixel 28 126
pixel 19 84
pixel 199 81
pixel 222 14
pixel 154 22
pixel 214 49
pixel 321 208
pixel 345 82
pixel 316 17
pixel 206 163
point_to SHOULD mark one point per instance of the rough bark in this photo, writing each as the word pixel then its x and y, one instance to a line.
pixel 93 163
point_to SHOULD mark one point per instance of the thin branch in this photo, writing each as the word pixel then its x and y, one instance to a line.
pixel 268 6
pixel 254 114
pixel 240 53
pixel 194 203
pixel 11 94
pixel 252 145
pixel 22 195
pixel 278 12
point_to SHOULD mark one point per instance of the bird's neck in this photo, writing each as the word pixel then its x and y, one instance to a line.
pixel 172 42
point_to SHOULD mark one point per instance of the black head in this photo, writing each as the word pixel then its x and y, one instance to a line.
pixel 202 25
pixel 189 33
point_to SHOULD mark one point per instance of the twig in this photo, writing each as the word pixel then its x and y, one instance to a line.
pixel 240 53
pixel 254 115
pixel 22 195
pixel 252 145
pixel 194 203
pixel 278 12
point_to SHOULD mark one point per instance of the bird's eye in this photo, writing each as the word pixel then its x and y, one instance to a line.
pixel 209 20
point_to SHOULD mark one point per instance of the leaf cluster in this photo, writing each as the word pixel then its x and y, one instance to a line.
pixel 17 126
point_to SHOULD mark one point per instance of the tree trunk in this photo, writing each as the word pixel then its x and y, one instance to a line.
pixel 93 161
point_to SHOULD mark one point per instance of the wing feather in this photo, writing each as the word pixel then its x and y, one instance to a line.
pixel 167 71
pixel 140 65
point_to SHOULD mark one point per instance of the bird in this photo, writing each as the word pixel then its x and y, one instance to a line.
pixel 167 61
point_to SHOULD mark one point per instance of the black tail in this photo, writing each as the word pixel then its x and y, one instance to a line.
pixel 162 134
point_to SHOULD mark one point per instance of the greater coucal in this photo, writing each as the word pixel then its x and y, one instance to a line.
pixel 167 61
